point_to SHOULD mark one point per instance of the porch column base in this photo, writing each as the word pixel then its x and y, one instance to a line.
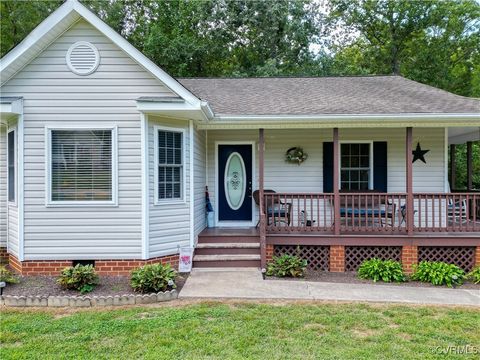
pixel 337 258
pixel 269 252
pixel 409 257
pixel 477 256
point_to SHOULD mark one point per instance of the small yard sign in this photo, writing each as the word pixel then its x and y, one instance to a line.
pixel 185 261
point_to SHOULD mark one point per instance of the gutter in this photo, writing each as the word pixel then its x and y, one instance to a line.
pixel 340 121
pixel 350 117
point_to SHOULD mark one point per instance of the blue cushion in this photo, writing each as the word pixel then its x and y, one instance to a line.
pixel 279 213
pixel 361 212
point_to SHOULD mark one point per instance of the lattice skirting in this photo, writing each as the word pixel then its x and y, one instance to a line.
pixel 355 255
pixel 317 257
pixel 462 256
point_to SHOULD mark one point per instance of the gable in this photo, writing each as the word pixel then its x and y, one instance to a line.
pixel 65 17
pixel 117 72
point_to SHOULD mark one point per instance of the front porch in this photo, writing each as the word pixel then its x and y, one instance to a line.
pixel 400 210
pixel 240 247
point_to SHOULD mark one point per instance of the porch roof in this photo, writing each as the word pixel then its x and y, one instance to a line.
pixel 361 95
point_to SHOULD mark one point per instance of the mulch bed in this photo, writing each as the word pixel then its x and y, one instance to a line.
pixel 352 278
pixel 47 286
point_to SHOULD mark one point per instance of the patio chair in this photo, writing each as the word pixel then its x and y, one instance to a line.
pixel 457 210
pixel 278 210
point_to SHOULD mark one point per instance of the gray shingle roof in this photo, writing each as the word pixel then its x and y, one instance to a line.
pixel 325 95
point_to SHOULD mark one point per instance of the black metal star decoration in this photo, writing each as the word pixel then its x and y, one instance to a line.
pixel 419 154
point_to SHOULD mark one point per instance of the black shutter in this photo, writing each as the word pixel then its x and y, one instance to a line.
pixel 328 167
pixel 380 169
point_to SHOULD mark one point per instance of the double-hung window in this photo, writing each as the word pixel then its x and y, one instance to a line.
pixel 356 166
pixel 170 167
pixel 82 167
pixel 11 159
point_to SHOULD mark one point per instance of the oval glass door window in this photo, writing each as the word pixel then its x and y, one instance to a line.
pixel 235 181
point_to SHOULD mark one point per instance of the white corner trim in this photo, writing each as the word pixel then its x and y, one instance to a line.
pixel 191 191
pixel 145 187
pixel 183 199
pixel 48 164
pixel 20 187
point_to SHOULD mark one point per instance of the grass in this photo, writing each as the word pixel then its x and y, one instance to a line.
pixel 213 330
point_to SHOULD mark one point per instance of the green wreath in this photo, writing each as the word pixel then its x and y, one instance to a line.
pixel 295 155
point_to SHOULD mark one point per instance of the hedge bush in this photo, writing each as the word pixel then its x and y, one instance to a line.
pixel 384 270
pixel 287 266
pixel 474 275
pixel 82 278
pixel 153 278
pixel 438 273
pixel 7 276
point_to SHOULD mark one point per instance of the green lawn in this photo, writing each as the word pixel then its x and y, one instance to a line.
pixel 240 331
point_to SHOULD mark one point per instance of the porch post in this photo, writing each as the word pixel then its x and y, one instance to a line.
pixel 336 183
pixel 469 166
pixel 453 167
pixel 263 224
pixel 409 181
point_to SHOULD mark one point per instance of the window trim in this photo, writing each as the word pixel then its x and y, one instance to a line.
pixel 15 166
pixel 48 169
pixel 370 162
pixel 156 200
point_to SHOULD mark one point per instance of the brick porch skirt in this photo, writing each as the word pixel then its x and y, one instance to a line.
pixel 103 267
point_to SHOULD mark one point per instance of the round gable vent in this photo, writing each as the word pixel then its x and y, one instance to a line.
pixel 83 58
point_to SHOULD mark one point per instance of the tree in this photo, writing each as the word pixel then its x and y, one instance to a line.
pixel 18 18
pixel 434 42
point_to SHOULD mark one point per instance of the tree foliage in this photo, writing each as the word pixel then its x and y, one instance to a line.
pixel 434 42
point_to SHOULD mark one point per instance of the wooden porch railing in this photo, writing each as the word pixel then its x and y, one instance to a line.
pixel 371 212
pixel 447 212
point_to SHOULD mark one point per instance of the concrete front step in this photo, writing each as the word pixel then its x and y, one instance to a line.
pixel 227 260
pixel 230 245
pixel 202 239
pixel 227 248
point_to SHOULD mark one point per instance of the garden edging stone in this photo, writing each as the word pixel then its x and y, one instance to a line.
pixel 86 301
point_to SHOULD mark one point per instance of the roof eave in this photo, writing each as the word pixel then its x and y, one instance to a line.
pixel 343 120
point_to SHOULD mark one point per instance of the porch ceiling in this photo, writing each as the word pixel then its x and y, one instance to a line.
pixel 461 135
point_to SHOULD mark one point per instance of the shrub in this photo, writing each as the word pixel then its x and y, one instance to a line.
pixel 438 273
pixel 7 276
pixel 153 278
pixel 287 266
pixel 385 270
pixel 79 277
pixel 474 275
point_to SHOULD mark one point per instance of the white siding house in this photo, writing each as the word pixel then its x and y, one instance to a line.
pixel 137 192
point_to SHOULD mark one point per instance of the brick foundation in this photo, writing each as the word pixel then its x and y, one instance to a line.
pixel 269 252
pixel 103 267
pixel 409 257
pixel 337 258
pixel 3 255
pixel 477 256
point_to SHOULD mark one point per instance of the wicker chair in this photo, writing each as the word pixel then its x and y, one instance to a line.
pixel 277 211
